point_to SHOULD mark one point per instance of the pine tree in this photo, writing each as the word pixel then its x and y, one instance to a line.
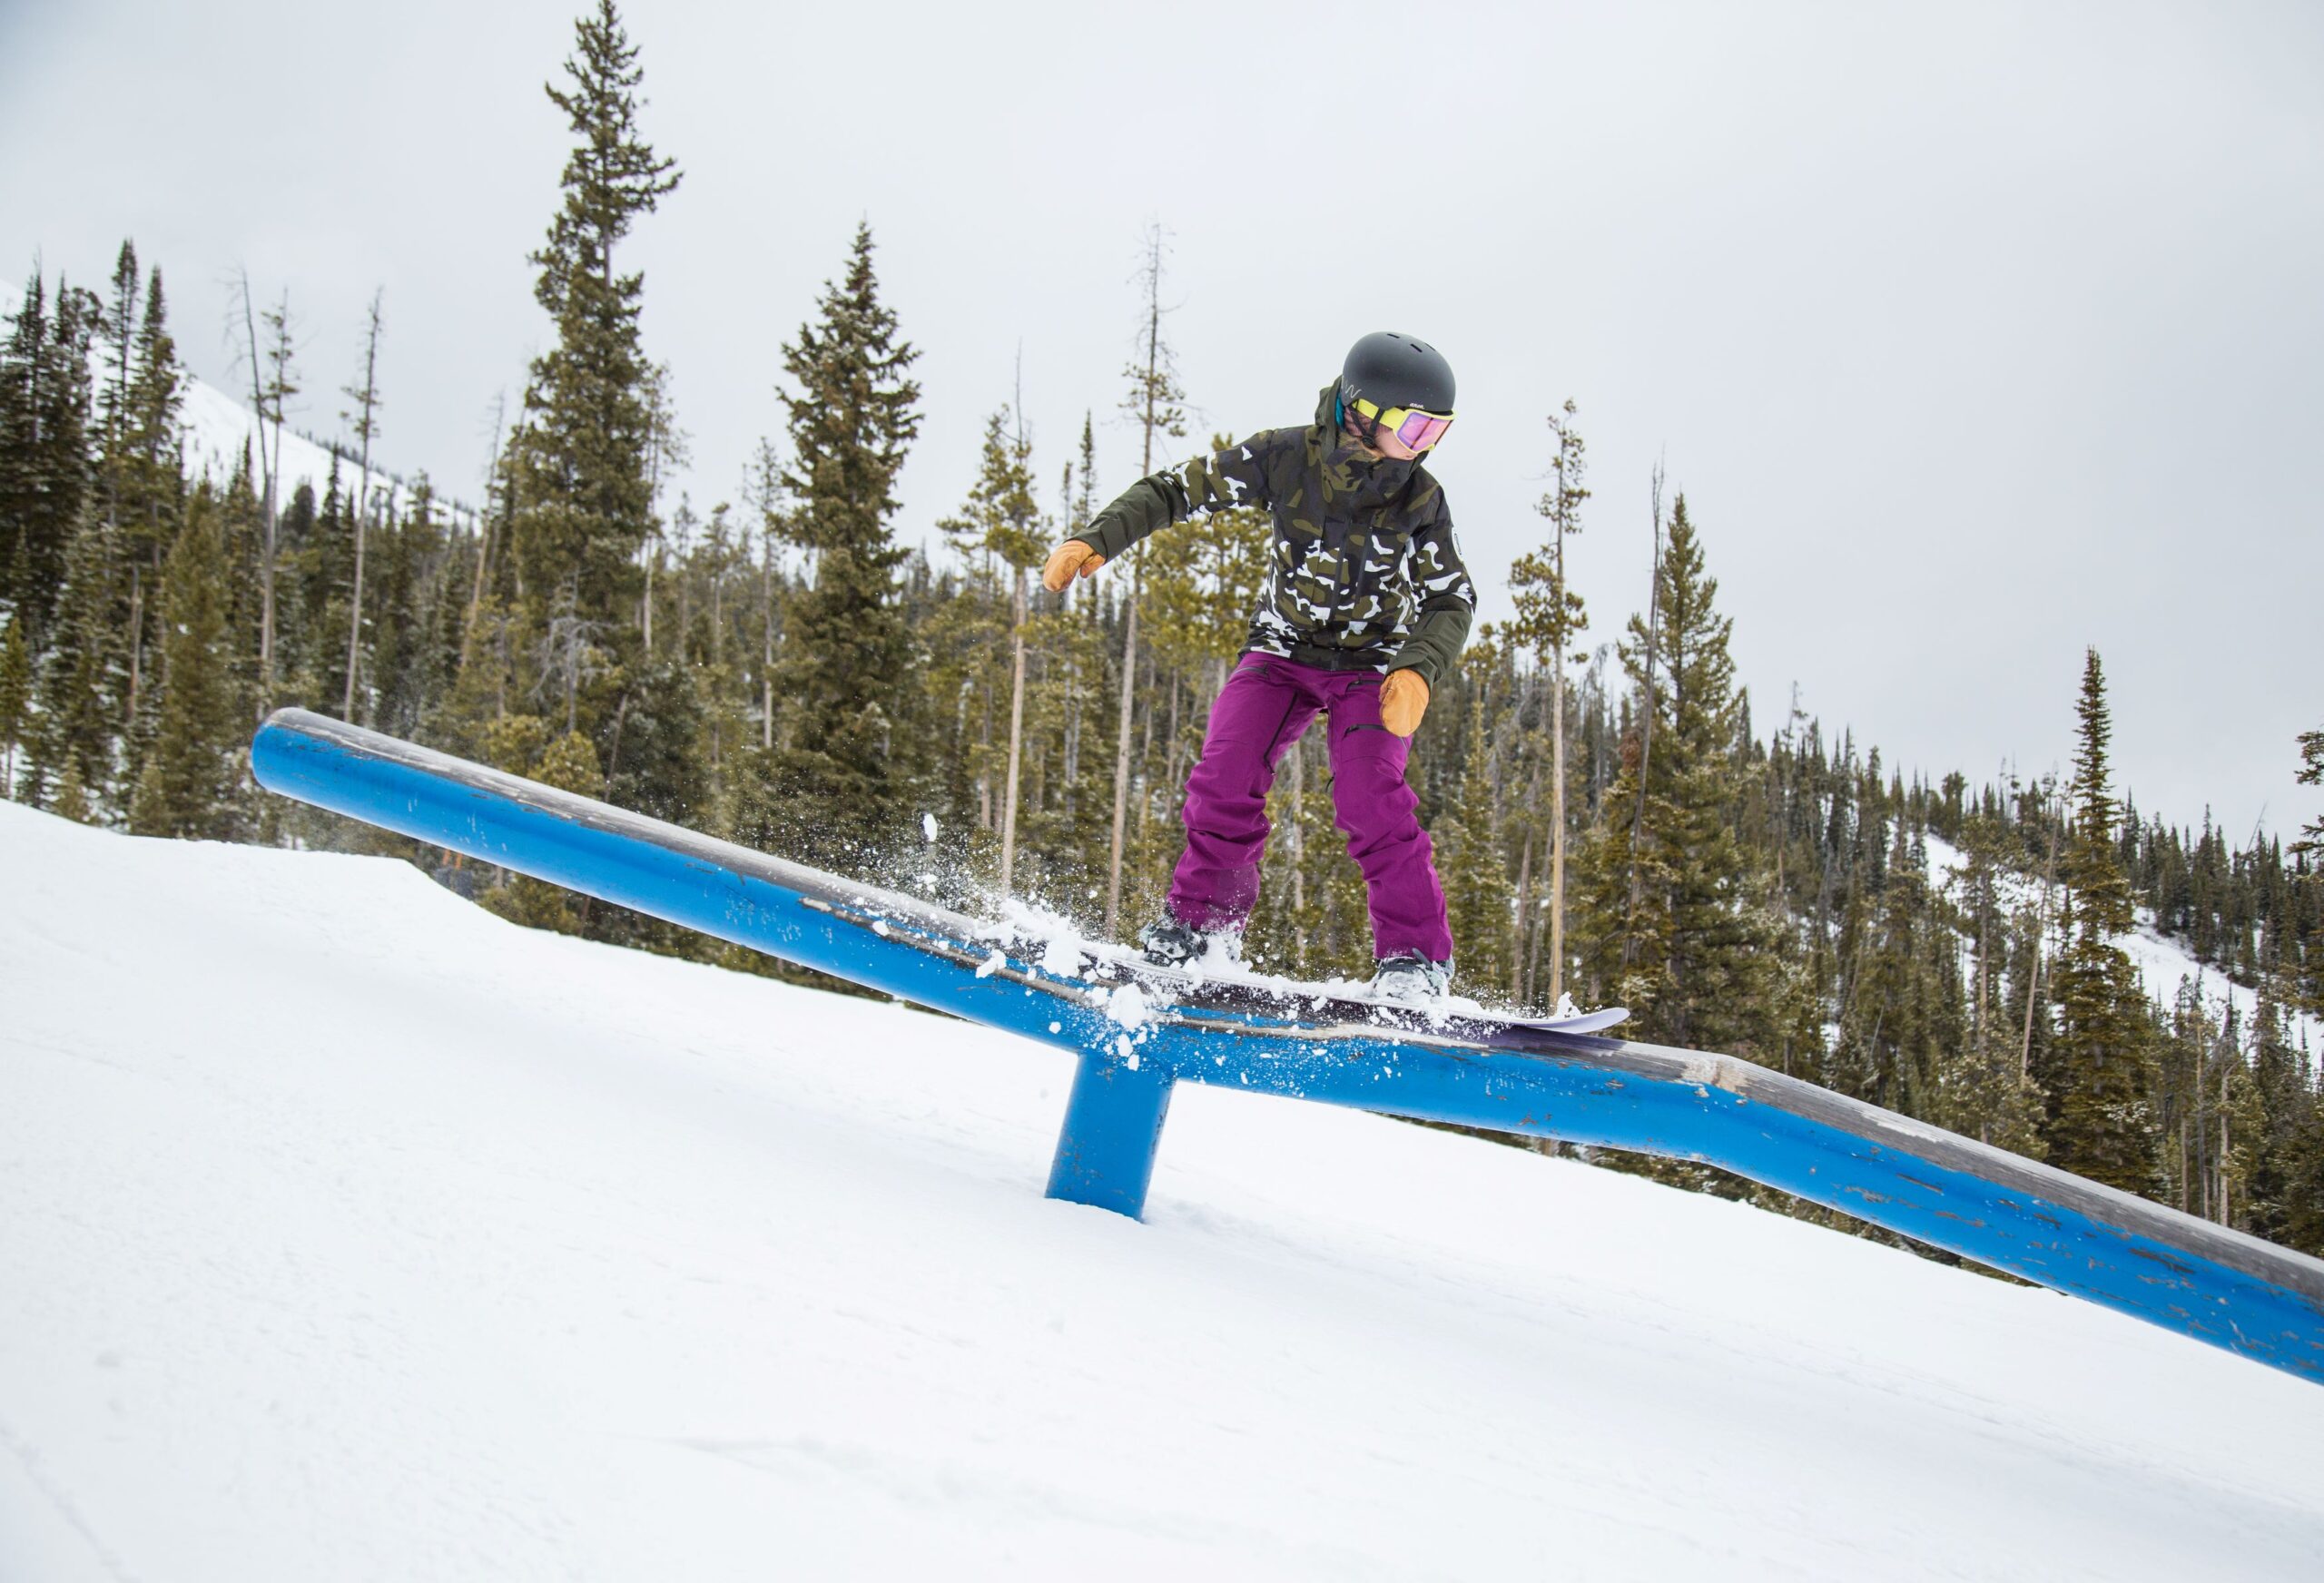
pixel 2307 886
pixel 241 525
pixel 582 454
pixel 156 395
pixel 303 649
pixel 152 510
pixel 117 334
pixel 2099 1075
pixel 47 464
pixel 72 797
pixel 2280 1203
pixel 1990 1097
pixel 846 774
pixel 79 729
pixel 19 432
pixel 1695 958
pixel 15 694
pixel 2311 774
pixel 2183 1094
pixel 423 590
pixel 1905 1030
pixel 191 781
pixel 711 661
pixel 657 757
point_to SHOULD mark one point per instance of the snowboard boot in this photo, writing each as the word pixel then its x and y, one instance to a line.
pixel 1167 943
pixel 1411 977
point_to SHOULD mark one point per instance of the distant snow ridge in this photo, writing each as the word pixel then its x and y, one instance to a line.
pixel 2162 963
pixel 216 427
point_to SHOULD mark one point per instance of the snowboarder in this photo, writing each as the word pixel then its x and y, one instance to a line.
pixel 1364 610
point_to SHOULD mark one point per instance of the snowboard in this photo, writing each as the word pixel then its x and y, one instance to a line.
pixel 1105 968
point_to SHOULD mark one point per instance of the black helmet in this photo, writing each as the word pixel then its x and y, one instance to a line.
pixel 1389 370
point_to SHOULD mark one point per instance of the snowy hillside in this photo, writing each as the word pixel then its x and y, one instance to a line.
pixel 2162 963
pixel 217 426
pixel 352 1233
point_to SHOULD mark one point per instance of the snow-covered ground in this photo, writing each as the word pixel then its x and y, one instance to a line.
pixel 2162 963
pixel 348 1232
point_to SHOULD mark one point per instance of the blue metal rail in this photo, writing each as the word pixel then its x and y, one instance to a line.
pixel 2076 1236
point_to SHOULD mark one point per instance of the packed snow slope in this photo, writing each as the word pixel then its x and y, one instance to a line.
pixel 350 1233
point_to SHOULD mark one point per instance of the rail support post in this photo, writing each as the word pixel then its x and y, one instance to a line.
pixel 1113 1125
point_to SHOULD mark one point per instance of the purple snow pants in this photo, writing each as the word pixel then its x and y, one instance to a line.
pixel 1267 705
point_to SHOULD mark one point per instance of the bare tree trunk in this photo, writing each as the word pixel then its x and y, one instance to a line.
pixel 370 399
pixel 1646 725
pixel 718 644
pixel 1536 928
pixel 1016 740
pixel 1518 919
pixel 2034 979
pixel 766 643
pixel 1984 1050
pixel 984 758
pixel 1521 927
pixel 266 499
pixel 1557 806
pixel 2223 1143
pixel 484 523
pixel 123 333
pixel 154 542
pixel 2202 1142
pixel 136 643
pixel 2185 1187
pixel 1146 747
pixel 1151 418
pixel 281 389
pixel 1121 763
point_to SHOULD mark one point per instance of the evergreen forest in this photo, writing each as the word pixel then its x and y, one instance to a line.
pixel 1613 820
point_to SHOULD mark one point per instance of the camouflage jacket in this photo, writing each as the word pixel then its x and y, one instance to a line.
pixel 1364 574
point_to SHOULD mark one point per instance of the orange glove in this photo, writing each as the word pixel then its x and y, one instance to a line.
pixel 1070 560
pixel 1403 699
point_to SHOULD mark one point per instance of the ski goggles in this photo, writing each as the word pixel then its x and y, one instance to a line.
pixel 1419 430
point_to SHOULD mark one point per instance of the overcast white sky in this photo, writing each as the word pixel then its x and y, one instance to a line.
pixel 1975 334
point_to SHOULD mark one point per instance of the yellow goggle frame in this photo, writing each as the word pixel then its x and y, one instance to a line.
pixel 1419 430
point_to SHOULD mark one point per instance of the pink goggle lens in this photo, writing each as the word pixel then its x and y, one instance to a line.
pixel 1420 430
